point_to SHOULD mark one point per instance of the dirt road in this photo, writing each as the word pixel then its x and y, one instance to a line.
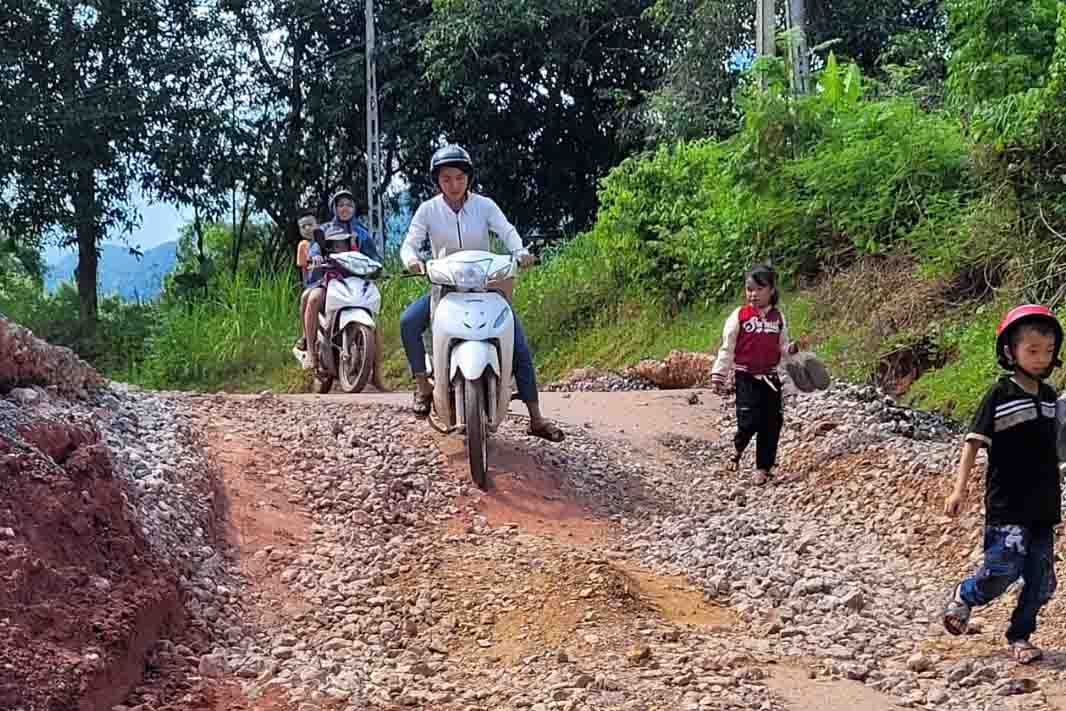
pixel 377 577
pixel 640 417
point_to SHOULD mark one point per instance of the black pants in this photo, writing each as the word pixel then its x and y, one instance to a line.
pixel 758 413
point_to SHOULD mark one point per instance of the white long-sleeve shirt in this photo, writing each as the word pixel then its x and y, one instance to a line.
pixel 766 335
pixel 438 229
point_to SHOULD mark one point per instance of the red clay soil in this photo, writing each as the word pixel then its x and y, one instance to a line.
pixel 82 598
pixel 525 493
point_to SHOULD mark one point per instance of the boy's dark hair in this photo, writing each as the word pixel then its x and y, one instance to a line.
pixel 1044 328
pixel 764 275
pixel 307 212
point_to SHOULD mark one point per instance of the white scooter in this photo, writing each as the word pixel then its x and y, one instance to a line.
pixel 346 339
pixel 472 329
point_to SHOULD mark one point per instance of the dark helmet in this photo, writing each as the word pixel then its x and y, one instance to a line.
pixel 343 192
pixel 1019 316
pixel 453 156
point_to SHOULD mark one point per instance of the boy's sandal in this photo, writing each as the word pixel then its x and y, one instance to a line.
pixel 956 614
pixel 421 403
pixel 759 477
pixel 1025 652
pixel 546 430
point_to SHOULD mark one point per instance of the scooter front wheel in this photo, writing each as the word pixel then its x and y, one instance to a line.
pixel 477 433
pixel 357 357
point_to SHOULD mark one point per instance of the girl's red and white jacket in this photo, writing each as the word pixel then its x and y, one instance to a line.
pixel 753 341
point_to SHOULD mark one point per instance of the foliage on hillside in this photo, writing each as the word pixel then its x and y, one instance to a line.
pixel 907 207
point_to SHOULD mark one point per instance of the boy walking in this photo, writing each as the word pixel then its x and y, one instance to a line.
pixel 1016 422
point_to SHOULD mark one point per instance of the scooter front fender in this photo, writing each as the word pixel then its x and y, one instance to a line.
pixel 471 358
pixel 357 315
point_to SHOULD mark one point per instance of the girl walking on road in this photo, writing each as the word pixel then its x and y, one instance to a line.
pixel 754 338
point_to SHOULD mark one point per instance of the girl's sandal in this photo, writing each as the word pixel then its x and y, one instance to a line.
pixel 1025 652
pixel 759 477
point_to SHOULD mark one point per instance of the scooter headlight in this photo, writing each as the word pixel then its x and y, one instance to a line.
pixel 503 270
pixel 470 276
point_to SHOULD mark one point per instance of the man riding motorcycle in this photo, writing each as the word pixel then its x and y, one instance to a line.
pixel 453 221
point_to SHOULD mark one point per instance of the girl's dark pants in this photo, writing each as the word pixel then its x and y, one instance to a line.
pixel 758 414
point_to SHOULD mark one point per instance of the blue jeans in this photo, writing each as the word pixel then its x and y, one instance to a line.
pixel 415 320
pixel 1012 552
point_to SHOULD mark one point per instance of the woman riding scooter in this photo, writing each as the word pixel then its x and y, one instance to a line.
pixel 344 226
pixel 453 221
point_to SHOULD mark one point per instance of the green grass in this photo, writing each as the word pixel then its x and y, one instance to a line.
pixel 956 389
pixel 239 337
pixel 630 331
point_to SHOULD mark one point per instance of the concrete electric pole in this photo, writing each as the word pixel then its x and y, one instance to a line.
pixel 799 61
pixel 374 172
pixel 765 31
pixel 765 22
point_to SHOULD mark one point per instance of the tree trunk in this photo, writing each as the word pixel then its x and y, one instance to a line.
pixel 83 195
pixel 86 228
pixel 238 236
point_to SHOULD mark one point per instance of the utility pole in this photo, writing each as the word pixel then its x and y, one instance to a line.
pixel 764 32
pixel 799 61
pixel 765 22
pixel 795 21
pixel 374 173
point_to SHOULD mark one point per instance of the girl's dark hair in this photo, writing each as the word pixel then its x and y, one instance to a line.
pixel 764 275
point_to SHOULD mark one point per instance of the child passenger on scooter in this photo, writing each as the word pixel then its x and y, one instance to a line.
pixel 307 223
pixel 334 241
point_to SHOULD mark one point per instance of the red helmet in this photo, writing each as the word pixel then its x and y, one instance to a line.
pixel 1026 313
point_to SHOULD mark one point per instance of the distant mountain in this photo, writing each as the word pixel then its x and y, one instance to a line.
pixel 120 272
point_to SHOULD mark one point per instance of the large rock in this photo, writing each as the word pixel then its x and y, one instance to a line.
pixel 681 369
pixel 27 360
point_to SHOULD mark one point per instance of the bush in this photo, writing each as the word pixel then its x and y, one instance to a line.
pixel 675 223
pixel 805 180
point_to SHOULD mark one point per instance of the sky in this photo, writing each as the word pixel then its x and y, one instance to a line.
pixel 160 222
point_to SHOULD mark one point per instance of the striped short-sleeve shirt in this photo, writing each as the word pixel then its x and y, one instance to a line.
pixel 1022 482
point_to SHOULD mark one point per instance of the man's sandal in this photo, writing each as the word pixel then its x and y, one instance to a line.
pixel 546 430
pixel 1025 652
pixel 956 614
pixel 421 404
